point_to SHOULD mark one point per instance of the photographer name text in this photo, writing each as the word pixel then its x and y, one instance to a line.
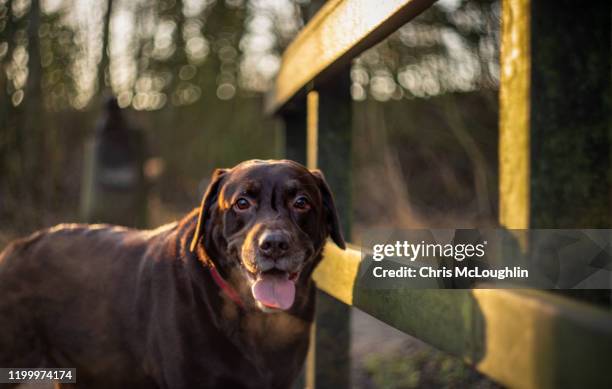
pixel 412 252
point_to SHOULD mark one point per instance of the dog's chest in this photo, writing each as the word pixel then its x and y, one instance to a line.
pixel 274 344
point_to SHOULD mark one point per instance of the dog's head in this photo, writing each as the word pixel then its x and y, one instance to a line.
pixel 263 225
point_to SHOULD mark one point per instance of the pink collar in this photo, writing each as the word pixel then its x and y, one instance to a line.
pixel 226 287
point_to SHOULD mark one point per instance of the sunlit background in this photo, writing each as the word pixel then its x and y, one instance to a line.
pixel 192 74
pixel 154 53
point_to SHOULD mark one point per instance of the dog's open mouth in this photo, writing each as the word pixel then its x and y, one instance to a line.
pixel 275 289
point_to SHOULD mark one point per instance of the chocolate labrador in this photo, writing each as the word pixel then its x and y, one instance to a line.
pixel 221 299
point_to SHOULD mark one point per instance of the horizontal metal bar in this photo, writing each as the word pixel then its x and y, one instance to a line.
pixel 520 338
pixel 340 31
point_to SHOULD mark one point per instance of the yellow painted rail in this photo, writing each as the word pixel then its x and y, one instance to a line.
pixel 340 31
pixel 520 338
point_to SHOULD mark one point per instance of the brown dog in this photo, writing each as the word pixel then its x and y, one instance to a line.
pixel 221 299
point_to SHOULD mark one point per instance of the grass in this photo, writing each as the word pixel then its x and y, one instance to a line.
pixel 426 368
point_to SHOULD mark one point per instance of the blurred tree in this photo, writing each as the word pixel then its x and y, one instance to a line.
pixel 156 55
pixel 452 47
pixel 35 50
pixel 34 134
pixel 103 69
pixel 193 73
pixel 437 75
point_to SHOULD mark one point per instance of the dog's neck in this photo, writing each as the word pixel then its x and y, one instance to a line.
pixel 226 287
pixel 229 288
pixel 264 337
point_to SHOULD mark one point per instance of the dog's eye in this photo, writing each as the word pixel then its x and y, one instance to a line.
pixel 301 203
pixel 242 204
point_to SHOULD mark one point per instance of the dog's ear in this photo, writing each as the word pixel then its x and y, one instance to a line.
pixel 208 200
pixel 331 213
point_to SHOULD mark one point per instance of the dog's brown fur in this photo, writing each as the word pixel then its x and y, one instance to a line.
pixel 139 309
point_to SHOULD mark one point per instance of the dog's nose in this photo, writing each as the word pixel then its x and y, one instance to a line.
pixel 273 244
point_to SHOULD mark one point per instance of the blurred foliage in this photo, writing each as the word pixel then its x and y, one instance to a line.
pixel 425 117
pixel 191 75
pixel 436 159
pixel 174 65
pixel 424 369
pixel 452 47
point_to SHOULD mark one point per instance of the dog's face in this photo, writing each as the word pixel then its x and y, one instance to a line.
pixel 263 224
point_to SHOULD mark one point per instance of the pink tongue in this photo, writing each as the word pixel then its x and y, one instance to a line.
pixel 275 291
